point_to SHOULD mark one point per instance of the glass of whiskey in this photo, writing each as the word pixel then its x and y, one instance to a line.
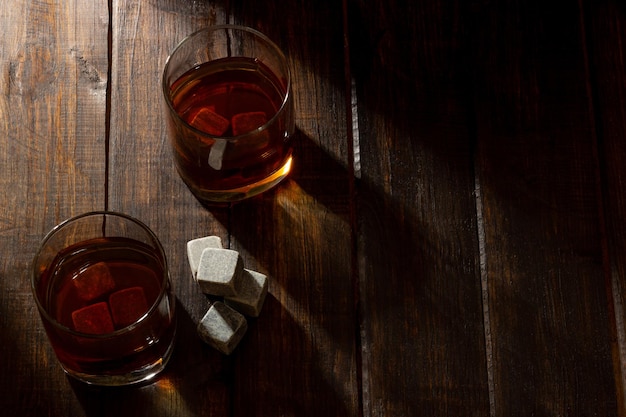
pixel 101 284
pixel 230 113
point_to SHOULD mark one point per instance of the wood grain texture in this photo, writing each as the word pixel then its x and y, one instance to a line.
pixel 143 182
pixel 284 234
pixel 449 243
pixel 537 172
pixel 423 339
pixel 301 356
pixel 52 159
pixel 606 35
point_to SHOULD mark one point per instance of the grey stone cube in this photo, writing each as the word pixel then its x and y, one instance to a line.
pixel 219 272
pixel 195 248
pixel 222 327
pixel 250 295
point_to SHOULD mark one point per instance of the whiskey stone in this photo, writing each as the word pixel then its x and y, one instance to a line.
pixel 93 319
pixel 195 248
pixel 250 295
pixel 247 122
pixel 127 306
pixel 219 272
pixel 216 154
pixel 210 122
pixel 222 327
pixel 93 281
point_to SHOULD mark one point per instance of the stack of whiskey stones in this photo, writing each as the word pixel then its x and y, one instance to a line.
pixel 241 292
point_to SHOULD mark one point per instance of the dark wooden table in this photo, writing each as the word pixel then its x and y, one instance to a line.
pixel 451 241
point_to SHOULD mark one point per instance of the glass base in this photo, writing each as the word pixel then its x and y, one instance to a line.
pixel 223 197
pixel 144 374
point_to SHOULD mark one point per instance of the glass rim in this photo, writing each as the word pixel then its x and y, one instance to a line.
pixel 54 322
pixel 166 88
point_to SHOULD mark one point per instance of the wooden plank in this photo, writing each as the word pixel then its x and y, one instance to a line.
pixel 547 305
pixel 322 335
pixel 53 57
pixel 300 358
pixel 143 182
pixel 606 35
pixel 423 339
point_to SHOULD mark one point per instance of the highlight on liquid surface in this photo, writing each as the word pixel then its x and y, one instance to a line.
pixel 228 98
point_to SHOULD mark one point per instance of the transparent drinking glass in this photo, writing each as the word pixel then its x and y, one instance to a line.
pixel 101 284
pixel 230 113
